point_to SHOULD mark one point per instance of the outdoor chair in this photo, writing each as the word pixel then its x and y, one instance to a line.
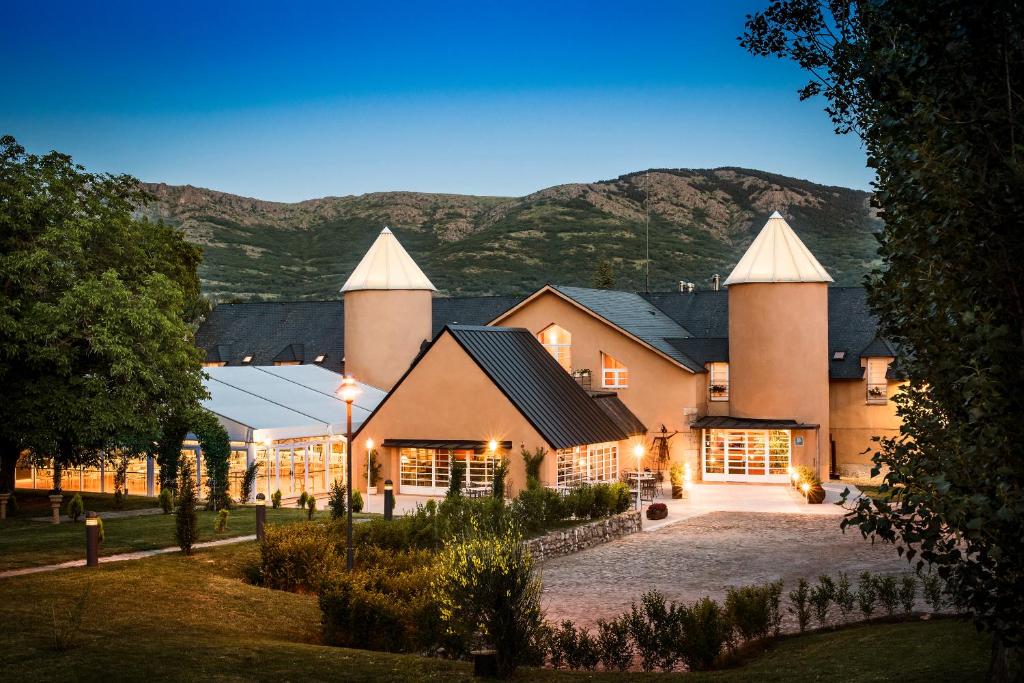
pixel 647 489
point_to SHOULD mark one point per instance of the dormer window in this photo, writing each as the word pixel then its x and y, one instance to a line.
pixel 319 359
pixel 718 381
pixel 839 355
pixel 614 375
pixel 246 360
pixel 878 385
pixel 558 342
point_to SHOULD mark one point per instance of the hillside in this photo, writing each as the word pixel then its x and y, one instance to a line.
pixel 700 223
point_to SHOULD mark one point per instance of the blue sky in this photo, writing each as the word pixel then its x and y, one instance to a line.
pixel 342 98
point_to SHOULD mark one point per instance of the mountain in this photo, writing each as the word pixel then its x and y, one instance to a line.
pixel 700 223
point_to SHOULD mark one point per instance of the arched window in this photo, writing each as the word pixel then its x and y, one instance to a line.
pixel 558 342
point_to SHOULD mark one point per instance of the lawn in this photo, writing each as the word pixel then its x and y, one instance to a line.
pixel 37 503
pixel 25 543
pixel 178 618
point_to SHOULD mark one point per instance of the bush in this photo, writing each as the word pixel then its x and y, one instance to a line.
pixel 357 501
pixel 385 604
pixel 456 474
pixel 866 594
pixel 75 507
pixel 500 477
pixel 248 480
pixel 844 597
pixel 166 500
pixel 888 593
pixel 301 502
pixel 336 501
pixel 298 557
pixel 222 520
pixel 487 585
pixel 806 475
pixel 186 521
pixel 275 500
pixel 310 507
pixel 908 593
pixel 532 461
pixel 705 631
pixel 580 501
pixel 575 647
pixel 656 630
pixel 613 645
pixel 798 599
pixel 537 509
pixel 932 591
pixel 751 611
pixel 821 598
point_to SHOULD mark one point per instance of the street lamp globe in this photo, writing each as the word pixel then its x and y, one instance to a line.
pixel 348 390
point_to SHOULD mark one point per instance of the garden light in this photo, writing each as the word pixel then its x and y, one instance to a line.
pixel 92 540
pixel 261 515
pixel 348 390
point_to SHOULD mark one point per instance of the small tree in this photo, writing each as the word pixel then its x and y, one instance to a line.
pixel 216 446
pixel 310 507
pixel 500 474
pixel 186 520
pixel 456 473
pixel 604 275
pixel 337 500
pixel 799 599
pixel 532 460
pixel 166 500
pixel 249 480
pixel 76 508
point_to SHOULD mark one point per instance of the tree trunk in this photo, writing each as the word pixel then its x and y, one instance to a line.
pixel 9 455
pixel 1005 665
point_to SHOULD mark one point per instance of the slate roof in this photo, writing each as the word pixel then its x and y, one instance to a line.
pixel 533 381
pixel 725 422
pixel 613 407
pixel 703 350
pixel 276 330
pixel 637 316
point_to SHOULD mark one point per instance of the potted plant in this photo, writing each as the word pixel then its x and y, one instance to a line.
pixel 676 475
pixel 876 392
pixel 657 511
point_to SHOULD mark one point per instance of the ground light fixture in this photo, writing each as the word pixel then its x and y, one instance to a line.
pixel 389 499
pixel 92 540
pixel 347 391
pixel 369 474
pixel 261 515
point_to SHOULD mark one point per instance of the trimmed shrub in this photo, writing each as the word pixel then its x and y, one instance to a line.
pixel 298 557
pixel 75 507
pixel 222 521
pixel 487 586
pixel 888 593
pixel 750 611
pixel 821 598
pixel 614 647
pixel 336 501
pixel 845 598
pixel 705 632
pixel 908 593
pixel 867 594
pixel 301 502
pixel 539 508
pixel 275 500
pixel 310 507
pixel 357 501
pixel 166 500
pixel 932 589
pixel 456 475
pixel 798 599
pixel 655 628
pixel 186 520
pixel 248 480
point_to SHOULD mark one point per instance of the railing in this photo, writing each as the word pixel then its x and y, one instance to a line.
pixel 877 393
pixel 718 391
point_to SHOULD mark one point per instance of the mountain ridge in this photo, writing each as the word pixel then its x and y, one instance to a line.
pixel 701 220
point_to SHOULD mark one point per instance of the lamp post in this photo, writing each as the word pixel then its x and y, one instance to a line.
pixel 261 515
pixel 348 390
pixel 92 540
pixel 369 465
pixel 389 499
pixel 638 451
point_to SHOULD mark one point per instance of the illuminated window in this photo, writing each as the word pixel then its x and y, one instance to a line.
pixel 614 375
pixel 319 359
pixel 736 453
pixel 558 342
pixel 247 359
pixel 279 363
pixel 593 463
pixel 214 364
pixel 718 381
pixel 878 386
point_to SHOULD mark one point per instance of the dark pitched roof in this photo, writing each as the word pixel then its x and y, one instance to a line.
pixel 725 422
pixel 851 326
pixel 272 331
pixel 546 395
pixel 632 313
pixel 613 407
pixel 703 350
pixel 878 348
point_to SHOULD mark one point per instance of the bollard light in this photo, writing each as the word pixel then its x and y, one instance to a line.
pixel 807 491
pixel 389 499
pixel 261 515
pixel 92 540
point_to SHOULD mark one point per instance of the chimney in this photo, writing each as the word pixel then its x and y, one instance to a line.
pixel 685 286
pixel 716 282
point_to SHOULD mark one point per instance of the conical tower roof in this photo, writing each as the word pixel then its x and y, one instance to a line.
pixel 777 255
pixel 387 265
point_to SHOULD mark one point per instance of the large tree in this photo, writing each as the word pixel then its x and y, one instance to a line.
pixel 934 89
pixel 95 341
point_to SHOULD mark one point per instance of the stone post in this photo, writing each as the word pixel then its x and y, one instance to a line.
pixel 4 497
pixel 55 501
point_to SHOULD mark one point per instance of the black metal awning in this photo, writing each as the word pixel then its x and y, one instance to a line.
pixel 446 444
pixel 726 422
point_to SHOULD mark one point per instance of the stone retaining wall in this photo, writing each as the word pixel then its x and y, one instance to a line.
pixel 568 541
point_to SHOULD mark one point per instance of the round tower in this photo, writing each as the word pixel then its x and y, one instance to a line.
pixel 778 340
pixel 388 313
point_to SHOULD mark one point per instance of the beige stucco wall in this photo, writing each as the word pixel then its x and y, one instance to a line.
pixel 659 393
pixel 448 396
pixel 778 359
pixel 855 423
pixel 384 330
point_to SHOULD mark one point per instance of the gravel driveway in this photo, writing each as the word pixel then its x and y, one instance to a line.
pixel 703 556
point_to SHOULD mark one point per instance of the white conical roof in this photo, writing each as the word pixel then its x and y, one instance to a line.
pixel 387 266
pixel 777 255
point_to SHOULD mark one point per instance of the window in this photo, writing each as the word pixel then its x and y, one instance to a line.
pixel 247 359
pixel 614 375
pixel 319 359
pixel 596 462
pixel 878 387
pixel 279 363
pixel 214 364
pixel 742 454
pixel 718 381
pixel 558 342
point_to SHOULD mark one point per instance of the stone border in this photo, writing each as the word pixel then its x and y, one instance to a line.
pixel 568 541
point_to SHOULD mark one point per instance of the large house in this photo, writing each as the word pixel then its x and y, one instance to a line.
pixel 778 369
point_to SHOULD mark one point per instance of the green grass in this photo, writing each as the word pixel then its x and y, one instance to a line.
pixel 37 503
pixel 189 618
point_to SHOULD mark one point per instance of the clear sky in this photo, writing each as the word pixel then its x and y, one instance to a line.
pixel 290 101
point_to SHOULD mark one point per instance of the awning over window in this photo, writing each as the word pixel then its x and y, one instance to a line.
pixel 726 422
pixel 453 445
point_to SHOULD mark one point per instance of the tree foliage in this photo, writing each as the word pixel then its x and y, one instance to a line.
pixel 934 89
pixel 604 275
pixel 216 447
pixel 94 336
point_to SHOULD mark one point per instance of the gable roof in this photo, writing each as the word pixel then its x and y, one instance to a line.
pixel 703 350
pixel 387 265
pixel 272 331
pixel 777 255
pixel 613 407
